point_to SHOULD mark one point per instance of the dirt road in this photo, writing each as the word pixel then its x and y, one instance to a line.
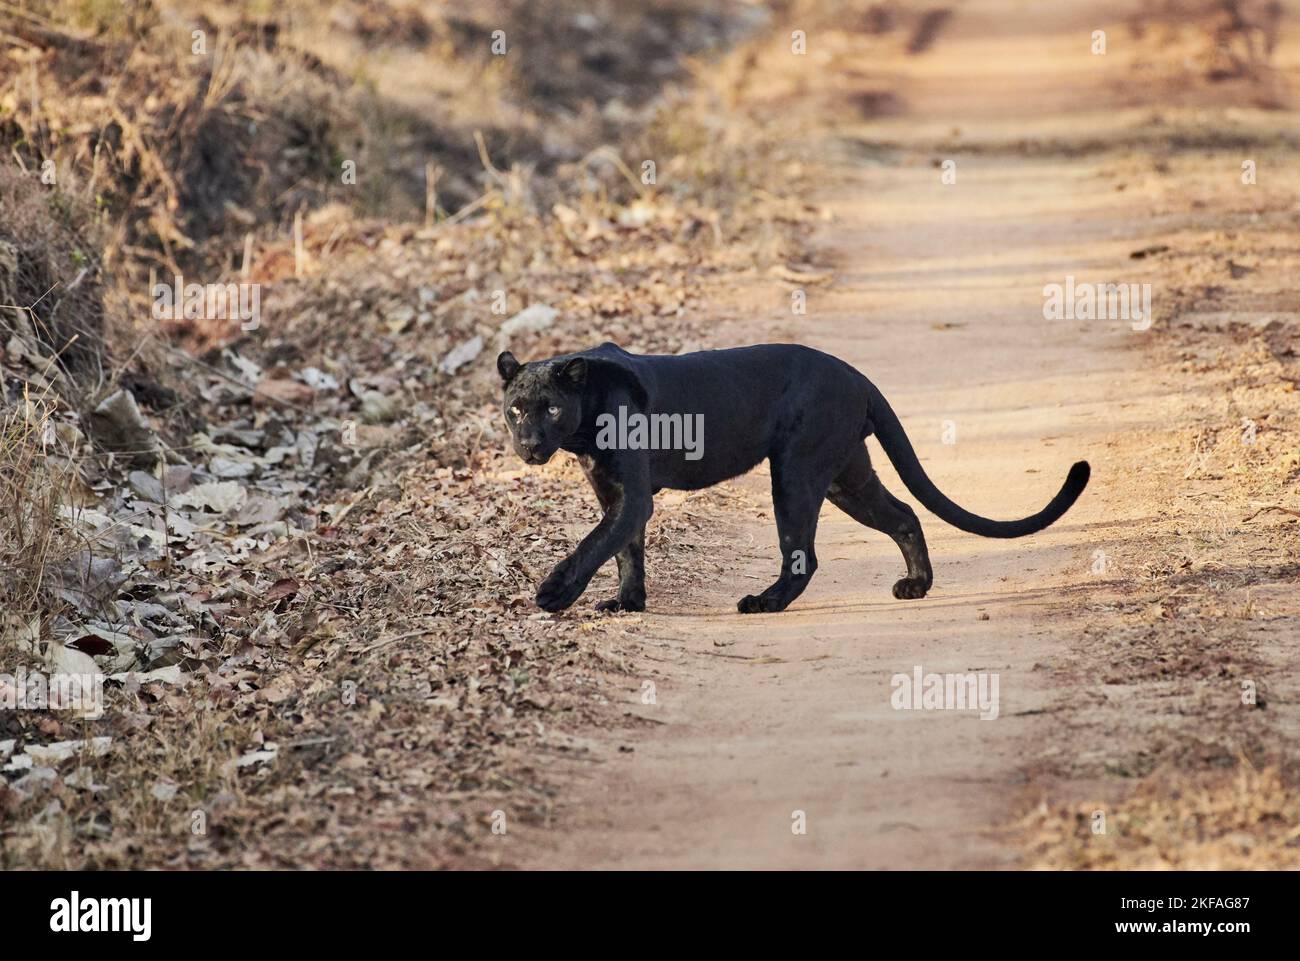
pixel 938 299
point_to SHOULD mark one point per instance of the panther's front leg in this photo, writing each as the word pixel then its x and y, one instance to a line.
pixel 631 577
pixel 563 585
pixel 631 559
pixel 626 477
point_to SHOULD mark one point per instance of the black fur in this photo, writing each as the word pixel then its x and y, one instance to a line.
pixel 807 412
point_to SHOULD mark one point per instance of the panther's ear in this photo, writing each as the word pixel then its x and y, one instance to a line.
pixel 507 366
pixel 573 374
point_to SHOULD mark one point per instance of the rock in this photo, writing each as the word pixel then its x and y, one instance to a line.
pixel 146 486
pixel 88 583
pixel 461 355
pixel 530 320
pixel 117 425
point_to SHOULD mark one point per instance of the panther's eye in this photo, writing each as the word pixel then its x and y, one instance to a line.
pixel 553 411
pixel 514 413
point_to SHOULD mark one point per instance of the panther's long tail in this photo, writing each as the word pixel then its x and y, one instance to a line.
pixel 899 449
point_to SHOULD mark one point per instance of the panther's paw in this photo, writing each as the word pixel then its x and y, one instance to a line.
pixel 910 588
pixel 757 604
pixel 615 604
pixel 560 589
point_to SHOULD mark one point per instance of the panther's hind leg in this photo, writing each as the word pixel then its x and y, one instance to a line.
pixel 796 500
pixel 858 492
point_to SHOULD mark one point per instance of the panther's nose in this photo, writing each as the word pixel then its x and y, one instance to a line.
pixel 529 448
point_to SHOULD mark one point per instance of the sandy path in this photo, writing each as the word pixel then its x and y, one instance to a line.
pixel 939 300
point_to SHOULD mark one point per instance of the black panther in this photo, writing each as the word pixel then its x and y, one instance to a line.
pixel 805 411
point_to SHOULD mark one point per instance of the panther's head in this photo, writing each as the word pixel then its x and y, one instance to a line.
pixel 542 403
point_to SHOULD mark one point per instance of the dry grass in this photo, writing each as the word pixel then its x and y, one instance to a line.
pixel 188 153
pixel 174 147
pixel 51 279
pixel 32 487
pixel 53 325
pixel 1244 819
